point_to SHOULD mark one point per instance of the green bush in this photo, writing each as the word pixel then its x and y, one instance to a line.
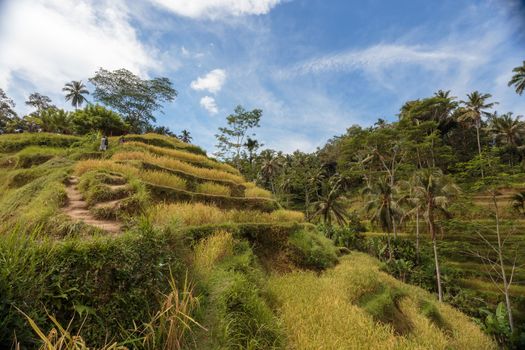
pixel 310 249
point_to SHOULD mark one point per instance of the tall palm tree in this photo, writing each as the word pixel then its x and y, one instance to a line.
pixel 435 192
pixel 75 91
pixel 475 107
pixel 185 136
pixel 329 206
pixel 518 79
pixel 510 131
pixel 270 167
pixel 518 202
pixel 384 208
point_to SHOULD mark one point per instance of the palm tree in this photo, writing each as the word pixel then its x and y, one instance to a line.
pixel 475 107
pixel 185 136
pixel 508 129
pixel 75 91
pixel 329 206
pixel 414 204
pixel 270 167
pixel 518 202
pixel 383 206
pixel 435 192
pixel 518 79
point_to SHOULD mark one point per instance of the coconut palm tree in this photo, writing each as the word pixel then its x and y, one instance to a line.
pixel 75 91
pixel 518 202
pixel 329 206
pixel 270 167
pixel 518 79
pixel 508 130
pixel 475 107
pixel 185 136
pixel 435 192
pixel 383 207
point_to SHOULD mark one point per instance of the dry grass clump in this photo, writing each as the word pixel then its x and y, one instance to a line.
pixel 181 155
pixel 195 214
pixel 257 192
pixel 322 312
pixel 175 164
pixel 163 178
pixel 212 250
pixel 95 164
pixel 213 188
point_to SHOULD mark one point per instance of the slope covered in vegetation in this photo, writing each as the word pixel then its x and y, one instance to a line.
pixel 204 259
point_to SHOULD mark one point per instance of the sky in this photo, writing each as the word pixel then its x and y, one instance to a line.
pixel 315 67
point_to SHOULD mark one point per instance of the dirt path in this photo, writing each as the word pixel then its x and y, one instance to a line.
pixel 78 210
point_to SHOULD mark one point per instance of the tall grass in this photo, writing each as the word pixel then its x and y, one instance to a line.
pixel 323 312
pixel 257 193
pixel 163 178
pixel 194 214
pixel 212 250
pixel 181 155
pixel 108 165
pixel 213 188
pixel 170 163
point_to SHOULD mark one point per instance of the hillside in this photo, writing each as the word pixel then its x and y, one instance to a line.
pixel 152 244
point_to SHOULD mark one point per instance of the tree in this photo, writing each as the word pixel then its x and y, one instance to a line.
pixel 40 102
pixel 384 208
pixel 414 204
pixel 475 108
pixel 185 136
pixel 508 130
pixel 55 120
pixel 97 118
pixel 135 98
pixel 7 110
pixel 75 91
pixel 231 138
pixel 329 205
pixel 270 167
pixel 518 79
pixel 435 192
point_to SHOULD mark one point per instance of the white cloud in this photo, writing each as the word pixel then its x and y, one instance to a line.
pixel 208 103
pixel 212 82
pixel 214 9
pixel 47 43
pixel 382 56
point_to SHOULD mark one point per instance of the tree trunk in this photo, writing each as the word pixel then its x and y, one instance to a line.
pixel 389 246
pixel 438 273
pixel 417 235
pixel 395 228
pixel 478 126
pixel 506 285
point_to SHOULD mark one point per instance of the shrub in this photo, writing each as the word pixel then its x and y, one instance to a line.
pixel 213 188
pixel 163 178
pixel 257 192
pixel 312 250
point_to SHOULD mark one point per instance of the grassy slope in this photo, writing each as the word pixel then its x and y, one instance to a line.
pixel 242 306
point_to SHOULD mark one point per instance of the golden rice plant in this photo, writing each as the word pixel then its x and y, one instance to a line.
pixel 186 214
pixel 181 155
pixel 283 215
pixel 213 188
pixel 211 250
pixel 175 164
pixel 163 178
pixel 96 164
pixel 60 338
pixel 249 185
pixel 257 192
pixel 172 326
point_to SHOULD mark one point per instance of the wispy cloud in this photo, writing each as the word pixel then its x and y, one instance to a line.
pixel 209 104
pixel 47 43
pixel 217 9
pixel 212 82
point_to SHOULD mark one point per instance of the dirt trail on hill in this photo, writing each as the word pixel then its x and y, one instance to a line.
pixel 78 210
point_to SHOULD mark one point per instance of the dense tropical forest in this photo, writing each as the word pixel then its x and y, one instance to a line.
pixel 119 233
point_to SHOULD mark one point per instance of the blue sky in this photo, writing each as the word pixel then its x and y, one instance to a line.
pixel 315 67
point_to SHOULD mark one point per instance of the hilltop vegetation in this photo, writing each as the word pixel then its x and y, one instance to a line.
pixel 215 265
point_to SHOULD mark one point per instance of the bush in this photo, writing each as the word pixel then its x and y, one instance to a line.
pixel 97 118
pixel 312 250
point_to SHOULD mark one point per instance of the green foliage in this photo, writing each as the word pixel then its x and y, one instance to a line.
pixel 36 155
pixel 135 98
pixel 13 143
pixel 312 250
pixel 95 118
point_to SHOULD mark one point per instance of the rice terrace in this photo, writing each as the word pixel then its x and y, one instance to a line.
pixel 263 174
